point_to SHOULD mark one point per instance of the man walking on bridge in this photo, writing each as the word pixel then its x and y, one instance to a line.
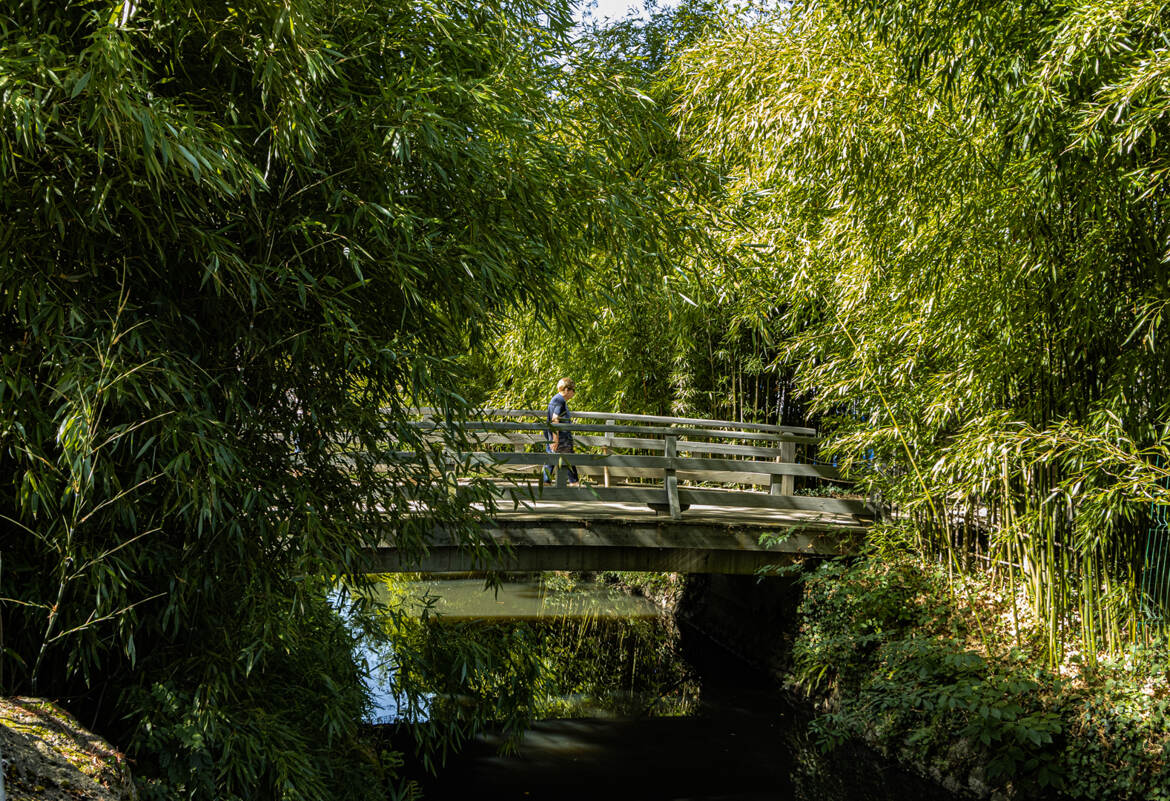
pixel 560 441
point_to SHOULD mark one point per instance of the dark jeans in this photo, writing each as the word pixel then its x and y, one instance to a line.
pixel 549 470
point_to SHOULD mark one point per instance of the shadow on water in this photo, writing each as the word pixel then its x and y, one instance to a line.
pixel 651 713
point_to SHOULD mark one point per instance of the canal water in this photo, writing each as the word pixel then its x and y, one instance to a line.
pixel 619 702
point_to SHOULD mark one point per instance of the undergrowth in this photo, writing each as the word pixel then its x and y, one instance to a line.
pixel 942 676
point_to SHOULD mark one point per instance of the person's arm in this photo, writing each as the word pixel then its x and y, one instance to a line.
pixel 556 418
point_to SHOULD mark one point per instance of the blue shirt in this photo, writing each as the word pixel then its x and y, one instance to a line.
pixel 558 407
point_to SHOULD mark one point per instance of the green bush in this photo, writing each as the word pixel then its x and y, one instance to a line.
pixel 291 727
pixel 848 612
pixel 884 649
pixel 1119 731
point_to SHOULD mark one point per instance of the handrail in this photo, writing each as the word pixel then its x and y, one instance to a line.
pixel 664 431
pixel 643 418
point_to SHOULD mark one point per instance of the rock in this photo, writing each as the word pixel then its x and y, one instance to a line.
pixel 48 756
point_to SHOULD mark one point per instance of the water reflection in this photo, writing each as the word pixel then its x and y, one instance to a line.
pixel 539 597
pixel 539 648
pixel 561 690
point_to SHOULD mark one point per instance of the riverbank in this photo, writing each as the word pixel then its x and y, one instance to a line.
pixel 947 680
pixel 950 681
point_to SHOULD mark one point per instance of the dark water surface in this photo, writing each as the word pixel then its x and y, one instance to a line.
pixel 655 712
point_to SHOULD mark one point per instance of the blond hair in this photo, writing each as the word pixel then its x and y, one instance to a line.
pixel 566 384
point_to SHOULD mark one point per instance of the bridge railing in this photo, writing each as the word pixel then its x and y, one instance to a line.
pixel 668 463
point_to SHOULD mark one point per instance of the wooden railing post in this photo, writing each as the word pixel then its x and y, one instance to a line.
pixel 608 449
pixel 784 485
pixel 672 478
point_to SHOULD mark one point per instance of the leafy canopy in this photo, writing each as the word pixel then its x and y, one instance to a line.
pixel 237 242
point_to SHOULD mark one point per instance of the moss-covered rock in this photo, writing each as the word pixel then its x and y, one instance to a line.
pixel 49 756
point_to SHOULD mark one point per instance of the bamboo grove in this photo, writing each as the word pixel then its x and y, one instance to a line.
pixel 943 228
pixel 959 213
pixel 238 242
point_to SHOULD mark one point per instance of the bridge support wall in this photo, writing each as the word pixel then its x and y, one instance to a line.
pixel 753 618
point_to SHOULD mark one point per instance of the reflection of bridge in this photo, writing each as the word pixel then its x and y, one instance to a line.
pixel 658 493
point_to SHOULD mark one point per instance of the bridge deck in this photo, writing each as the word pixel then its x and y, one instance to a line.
pixel 759 519
pixel 592 536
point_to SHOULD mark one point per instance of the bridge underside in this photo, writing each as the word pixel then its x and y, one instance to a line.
pixel 582 537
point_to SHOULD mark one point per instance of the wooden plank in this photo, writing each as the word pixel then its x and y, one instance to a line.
pixel 608 494
pixel 631 443
pixel 759 500
pixel 687 495
pixel 607 450
pixel 619 442
pixel 584 558
pixel 617 474
pixel 508 439
pixel 531 467
pixel 722 476
pixel 684 446
pixel 786 485
pixel 696 422
pixel 541 532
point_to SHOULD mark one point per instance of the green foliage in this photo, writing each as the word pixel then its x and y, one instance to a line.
pixel 1119 730
pixel 662 588
pixel 652 328
pixel 951 219
pixel 237 243
pixel 847 614
pixel 887 652
pixel 196 739
pixel 931 691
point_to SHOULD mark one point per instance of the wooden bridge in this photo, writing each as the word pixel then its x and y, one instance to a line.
pixel 657 493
